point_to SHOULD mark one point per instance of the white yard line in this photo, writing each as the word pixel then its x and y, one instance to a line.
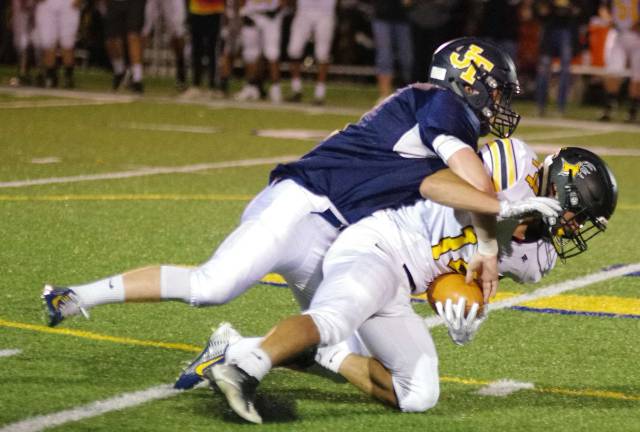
pixel 504 387
pixel 546 148
pixel 93 409
pixel 552 290
pixel 581 124
pixel 9 352
pixel 560 134
pixel 133 399
pixel 169 128
pixel 149 171
pixel 54 103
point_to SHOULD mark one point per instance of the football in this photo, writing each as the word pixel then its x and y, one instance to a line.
pixel 453 286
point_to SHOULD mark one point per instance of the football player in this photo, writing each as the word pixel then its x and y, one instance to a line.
pixel 621 48
pixel 57 23
pixel 375 265
pixel 261 31
pixel 313 18
pixel 173 13
pixel 377 163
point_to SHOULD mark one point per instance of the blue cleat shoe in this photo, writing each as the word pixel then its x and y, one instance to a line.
pixel 213 353
pixel 60 303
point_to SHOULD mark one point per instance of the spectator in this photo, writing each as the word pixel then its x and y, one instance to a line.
pixel 622 47
pixel 433 23
pixel 230 46
pixel 204 25
pixel 125 19
pixel 392 35
pixel 23 37
pixel 499 24
pixel 559 32
pixel 57 22
pixel 261 28
pixel 313 18
pixel 173 14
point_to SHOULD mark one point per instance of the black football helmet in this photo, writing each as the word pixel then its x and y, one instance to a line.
pixel 588 193
pixel 484 76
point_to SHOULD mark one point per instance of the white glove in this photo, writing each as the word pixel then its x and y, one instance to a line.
pixel 461 329
pixel 547 207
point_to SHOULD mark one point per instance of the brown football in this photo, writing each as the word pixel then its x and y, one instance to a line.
pixel 453 286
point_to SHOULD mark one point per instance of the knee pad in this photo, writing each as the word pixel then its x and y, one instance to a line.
pixel 332 328
pixel 420 391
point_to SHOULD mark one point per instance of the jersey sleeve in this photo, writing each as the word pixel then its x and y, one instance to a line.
pixel 446 115
pixel 513 168
pixel 527 262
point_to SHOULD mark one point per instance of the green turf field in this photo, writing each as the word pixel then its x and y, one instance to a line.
pixel 583 367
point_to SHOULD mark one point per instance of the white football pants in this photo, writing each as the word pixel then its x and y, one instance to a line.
pixel 280 231
pixel 366 289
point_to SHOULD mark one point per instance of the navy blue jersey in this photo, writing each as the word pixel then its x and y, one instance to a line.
pixel 380 161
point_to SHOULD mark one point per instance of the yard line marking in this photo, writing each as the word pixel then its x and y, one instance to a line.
pixel 55 103
pixel 504 387
pixel 128 197
pixel 100 337
pixel 551 290
pixel 9 352
pixel 46 160
pixel 581 124
pixel 69 94
pixel 559 134
pixel 160 127
pixel 150 171
pixel 603 151
pixel 93 409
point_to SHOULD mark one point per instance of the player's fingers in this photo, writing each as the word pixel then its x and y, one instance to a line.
pixel 439 309
pixel 448 310
pixel 472 313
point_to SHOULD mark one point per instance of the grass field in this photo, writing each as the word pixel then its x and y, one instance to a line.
pixel 581 359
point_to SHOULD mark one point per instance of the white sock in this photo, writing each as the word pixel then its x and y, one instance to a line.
pixel 257 363
pixel 136 72
pixel 321 90
pixel 331 357
pixel 175 283
pixel 108 290
pixel 118 66
pixel 242 348
pixel 296 85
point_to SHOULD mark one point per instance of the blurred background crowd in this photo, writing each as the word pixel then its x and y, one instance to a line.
pixel 582 50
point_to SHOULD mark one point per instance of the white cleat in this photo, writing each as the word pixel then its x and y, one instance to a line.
pixel 275 94
pixel 238 387
pixel 248 93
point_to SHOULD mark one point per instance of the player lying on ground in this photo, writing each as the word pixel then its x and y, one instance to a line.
pixel 375 265
pixel 382 161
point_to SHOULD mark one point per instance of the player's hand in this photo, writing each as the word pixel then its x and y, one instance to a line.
pixel 485 269
pixel 534 206
pixel 461 329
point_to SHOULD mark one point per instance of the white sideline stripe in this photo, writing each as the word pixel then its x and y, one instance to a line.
pixel 561 134
pixel 93 409
pixel 581 124
pixel 149 171
pixel 504 387
pixel 55 103
pixel 170 128
pixel 551 290
pixel 604 151
pixel 9 352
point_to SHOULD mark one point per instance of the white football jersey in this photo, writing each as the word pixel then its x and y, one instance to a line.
pixel 434 239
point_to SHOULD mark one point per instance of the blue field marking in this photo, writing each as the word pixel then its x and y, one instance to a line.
pixel 571 312
pixel 615 266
